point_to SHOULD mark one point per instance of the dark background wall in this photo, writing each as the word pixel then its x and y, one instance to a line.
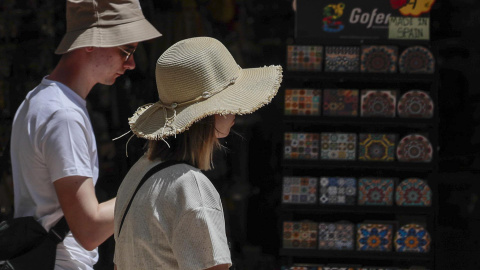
pixel 256 32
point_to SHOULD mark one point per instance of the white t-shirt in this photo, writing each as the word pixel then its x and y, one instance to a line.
pixel 174 222
pixel 52 138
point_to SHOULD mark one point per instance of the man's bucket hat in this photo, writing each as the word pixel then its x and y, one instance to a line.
pixel 198 77
pixel 104 23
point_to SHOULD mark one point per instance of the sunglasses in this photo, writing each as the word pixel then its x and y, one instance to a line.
pixel 127 53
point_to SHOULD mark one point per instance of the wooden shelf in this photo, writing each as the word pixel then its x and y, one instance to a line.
pixel 321 76
pixel 359 165
pixel 356 209
pixel 363 255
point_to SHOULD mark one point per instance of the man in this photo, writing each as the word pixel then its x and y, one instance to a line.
pixel 53 150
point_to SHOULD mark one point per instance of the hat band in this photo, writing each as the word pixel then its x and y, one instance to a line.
pixel 203 96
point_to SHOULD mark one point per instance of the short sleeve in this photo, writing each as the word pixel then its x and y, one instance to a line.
pixel 66 145
pixel 199 239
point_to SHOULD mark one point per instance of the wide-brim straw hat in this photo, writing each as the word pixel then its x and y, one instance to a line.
pixel 198 77
pixel 101 23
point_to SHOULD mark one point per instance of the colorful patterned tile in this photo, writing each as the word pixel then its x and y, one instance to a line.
pixel 374 237
pixel 338 146
pixel 375 191
pixel 415 104
pixel 304 58
pixel 338 190
pixel 342 58
pixel 302 102
pixel 340 102
pixel 376 147
pixel 416 59
pixel 301 145
pixel 413 192
pixel 414 148
pixel 301 190
pixel 336 236
pixel 379 59
pixel 301 235
pixel 378 103
pixel 336 268
pixel 412 238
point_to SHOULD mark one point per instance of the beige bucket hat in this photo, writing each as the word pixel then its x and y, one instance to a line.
pixel 104 23
pixel 198 77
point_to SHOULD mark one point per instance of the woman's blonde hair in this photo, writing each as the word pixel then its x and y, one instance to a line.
pixel 195 146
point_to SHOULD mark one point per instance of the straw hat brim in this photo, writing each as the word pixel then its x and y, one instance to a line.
pixel 108 36
pixel 253 89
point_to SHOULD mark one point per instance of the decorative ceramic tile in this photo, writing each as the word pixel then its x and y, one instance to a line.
pixel 375 191
pixel 413 192
pixel 304 58
pixel 340 102
pixel 378 103
pixel 416 59
pixel 414 148
pixel 415 104
pixel 301 146
pixel 336 236
pixel 412 238
pixel 338 146
pixel 338 190
pixel 300 235
pixel 376 147
pixel 302 102
pixel 300 190
pixel 379 59
pixel 374 237
pixel 342 58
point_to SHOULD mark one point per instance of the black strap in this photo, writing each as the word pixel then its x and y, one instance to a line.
pixel 152 171
pixel 58 232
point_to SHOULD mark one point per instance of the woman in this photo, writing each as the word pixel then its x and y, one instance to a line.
pixel 175 220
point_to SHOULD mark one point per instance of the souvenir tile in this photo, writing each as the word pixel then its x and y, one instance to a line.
pixel 300 235
pixel 302 102
pixel 414 148
pixel 301 145
pixel 336 236
pixel 302 190
pixel 412 238
pixel 416 59
pixel 375 191
pixel 415 104
pixel 340 102
pixel 304 58
pixel 338 190
pixel 378 103
pixel 342 58
pixel 379 59
pixel 413 192
pixel 338 146
pixel 374 237
pixel 376 147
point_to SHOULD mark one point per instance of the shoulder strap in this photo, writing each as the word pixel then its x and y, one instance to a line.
pixel 152 171
pixel 58 232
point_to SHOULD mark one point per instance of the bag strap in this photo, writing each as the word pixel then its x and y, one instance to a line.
pixel 152 171
pixel 58 232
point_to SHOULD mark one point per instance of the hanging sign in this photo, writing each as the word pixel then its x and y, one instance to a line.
pixel 366 19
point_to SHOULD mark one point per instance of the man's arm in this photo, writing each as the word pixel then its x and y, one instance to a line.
pixel 91 223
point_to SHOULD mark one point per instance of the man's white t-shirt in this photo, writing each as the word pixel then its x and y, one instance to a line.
pixel 52 138
pixel 175 221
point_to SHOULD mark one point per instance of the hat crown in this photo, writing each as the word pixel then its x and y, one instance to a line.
pixel 88 13
pixel 193 67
